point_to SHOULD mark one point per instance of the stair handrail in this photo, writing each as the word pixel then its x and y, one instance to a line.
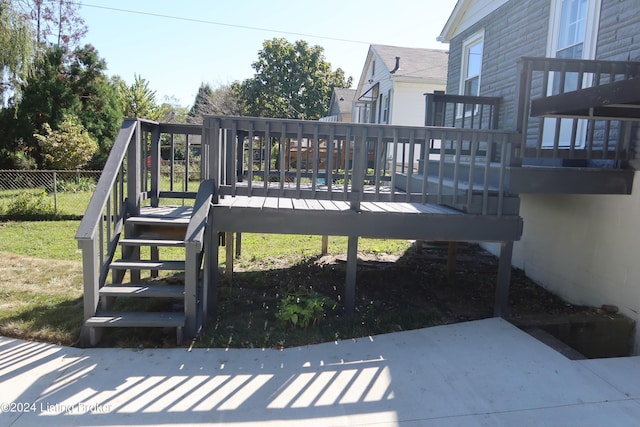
pixel 89 241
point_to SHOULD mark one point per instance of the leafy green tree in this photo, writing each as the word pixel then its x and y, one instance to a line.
pixel 172 112
pixel 68 147
pixel 291 81
pixel 16 49
pixel 220 101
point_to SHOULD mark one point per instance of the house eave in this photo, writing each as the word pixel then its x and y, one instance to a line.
pixel 466 13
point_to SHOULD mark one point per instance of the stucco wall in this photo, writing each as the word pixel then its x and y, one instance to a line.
pixel 585 249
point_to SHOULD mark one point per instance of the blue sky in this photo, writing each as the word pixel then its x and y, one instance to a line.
pixel 216 41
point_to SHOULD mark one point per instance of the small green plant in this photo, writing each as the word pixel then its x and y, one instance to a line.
pixel 303 310
pixel 73 185
pixel 29 205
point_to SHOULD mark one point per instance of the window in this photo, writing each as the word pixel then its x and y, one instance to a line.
pixel 472 65
pixel 573 30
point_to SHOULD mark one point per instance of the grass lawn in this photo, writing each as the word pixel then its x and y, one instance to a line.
pixel 283 292
pixel 41 286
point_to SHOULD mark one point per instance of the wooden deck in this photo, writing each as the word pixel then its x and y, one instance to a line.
pixel 392 220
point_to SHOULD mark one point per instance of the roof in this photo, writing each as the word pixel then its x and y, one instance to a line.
pixel 428 64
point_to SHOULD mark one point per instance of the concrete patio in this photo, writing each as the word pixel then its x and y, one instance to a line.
pixel 482 373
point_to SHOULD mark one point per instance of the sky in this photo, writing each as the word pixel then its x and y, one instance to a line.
pixel 179 45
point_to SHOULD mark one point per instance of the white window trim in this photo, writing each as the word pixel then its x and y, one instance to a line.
pixel 591 28
pixel 475 38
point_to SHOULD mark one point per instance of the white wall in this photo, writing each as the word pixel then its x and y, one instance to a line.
pixel 409 102
pixel 584 248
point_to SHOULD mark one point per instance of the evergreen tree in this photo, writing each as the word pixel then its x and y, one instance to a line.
pixel 68 84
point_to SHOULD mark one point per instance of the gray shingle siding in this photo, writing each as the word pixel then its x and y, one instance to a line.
pixel 618 36
pixel 520 28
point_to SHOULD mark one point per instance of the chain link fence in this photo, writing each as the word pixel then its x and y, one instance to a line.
pixel 61 193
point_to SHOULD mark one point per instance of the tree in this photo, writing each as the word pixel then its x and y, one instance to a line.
pixel 68 84
pixel 55 21
pixel 220 101
pixel 16 49
pixel 291 81
pixel 172 112
pixel 68 147
pixel 138 100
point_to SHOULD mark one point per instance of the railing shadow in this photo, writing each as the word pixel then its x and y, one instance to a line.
pixel 203 385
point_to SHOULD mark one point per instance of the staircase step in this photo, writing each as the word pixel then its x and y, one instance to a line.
pixel 143 291
pixel 158 221
pixel 151 242
pixel 147 265
pixel 136 319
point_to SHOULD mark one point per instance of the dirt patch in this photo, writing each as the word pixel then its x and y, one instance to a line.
pixel 393 293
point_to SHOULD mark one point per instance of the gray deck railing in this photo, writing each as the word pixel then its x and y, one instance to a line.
pixel 576 137
pixel 461 111
pixel 357 162
pixel 148 161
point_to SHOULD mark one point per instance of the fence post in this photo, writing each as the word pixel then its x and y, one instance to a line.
pixel 55 192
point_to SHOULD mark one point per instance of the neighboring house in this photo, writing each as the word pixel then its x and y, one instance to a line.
pixel 393 83
pixel 582 247
pixel 340 105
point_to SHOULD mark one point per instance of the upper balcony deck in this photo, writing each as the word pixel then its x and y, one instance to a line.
pixel 576 119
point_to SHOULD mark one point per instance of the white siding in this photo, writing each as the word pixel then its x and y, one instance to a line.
pixel 408 102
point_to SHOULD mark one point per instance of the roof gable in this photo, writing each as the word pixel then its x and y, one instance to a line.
pixel 428 64
pixel 342 100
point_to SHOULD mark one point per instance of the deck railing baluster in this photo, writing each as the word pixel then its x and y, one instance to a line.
pixel 428 138
pixel 267 163
pixel 410 164
pixel 282 157
pixel 250 159
pixel 329 167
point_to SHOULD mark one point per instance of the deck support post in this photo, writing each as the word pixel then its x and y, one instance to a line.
pixel 350 283
pixel 191 289
pixel 238 244
pixel 325 245
pixel 212 264
pixel 228 241
pixel 91 287
pixel 501 308
pixel 451 262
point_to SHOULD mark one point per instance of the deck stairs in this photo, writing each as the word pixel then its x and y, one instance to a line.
pixel 149 233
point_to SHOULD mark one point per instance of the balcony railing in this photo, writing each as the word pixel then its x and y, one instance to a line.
pixel 574 138
pixel 461 111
